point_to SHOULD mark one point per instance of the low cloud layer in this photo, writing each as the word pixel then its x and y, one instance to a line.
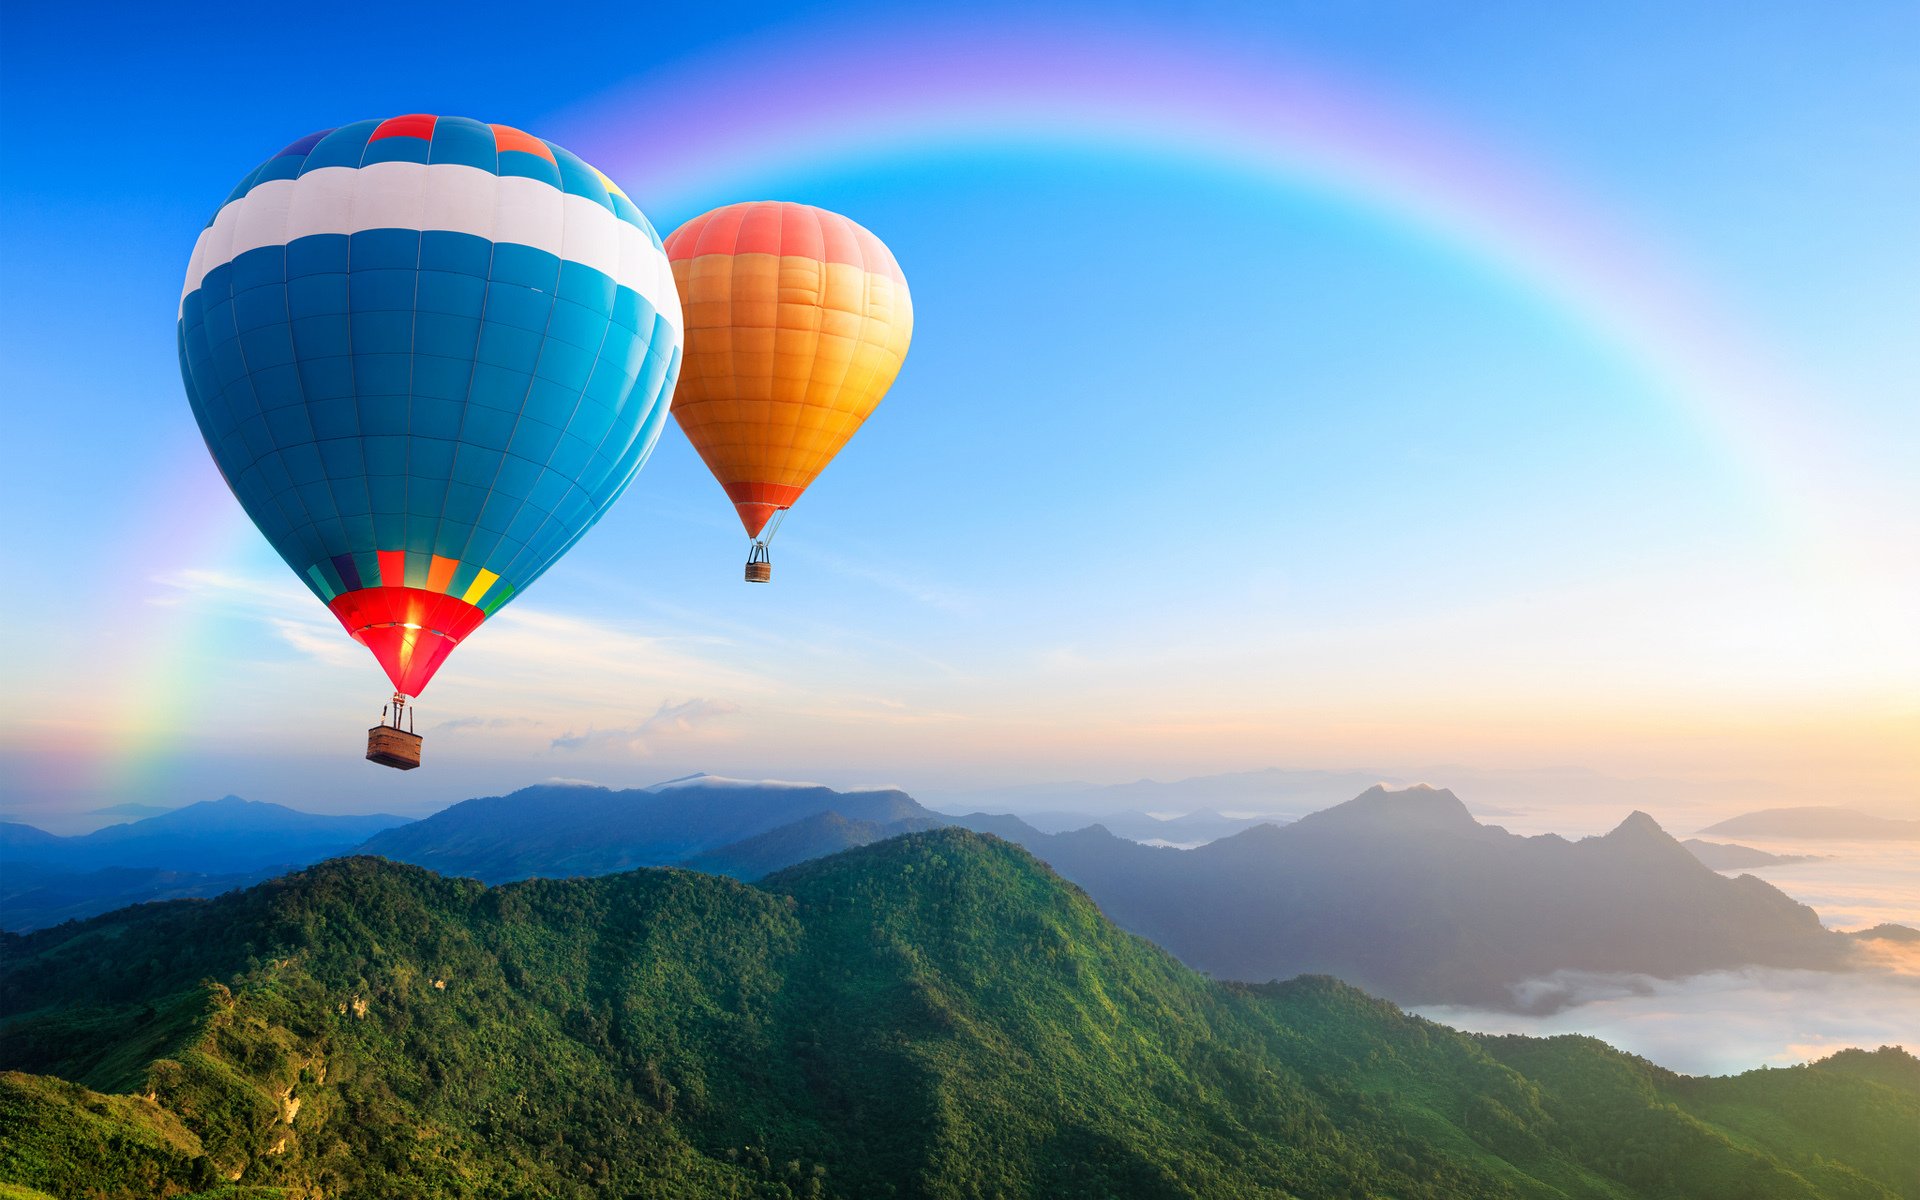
pixel 1852 885
pixel 1723 1021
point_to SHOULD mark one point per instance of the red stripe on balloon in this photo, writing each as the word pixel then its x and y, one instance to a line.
pixel 781 229
pixel 393 568
pixel 506 137
pixel 410 630
pixel 781 495
pixel 757 502
pixel 418 125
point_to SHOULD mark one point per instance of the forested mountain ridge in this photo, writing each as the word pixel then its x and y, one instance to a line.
pixel 935 1015
pixel 1402 893
pixel 809 838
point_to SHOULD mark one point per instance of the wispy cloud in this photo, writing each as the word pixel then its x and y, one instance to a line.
pixel 285 607
pixel 538 651
pixel 536 681
pixel 1890 955
pixel 317 641
pixel 687 717
pixel 468 724
pixel 913 586
pixel 231 589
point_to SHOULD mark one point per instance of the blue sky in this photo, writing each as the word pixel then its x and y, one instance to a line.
pixel 1195 464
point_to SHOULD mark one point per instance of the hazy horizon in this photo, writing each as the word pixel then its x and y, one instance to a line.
pixel 1570 801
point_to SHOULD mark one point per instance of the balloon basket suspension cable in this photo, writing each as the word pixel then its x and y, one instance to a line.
pixel 390 745
pixel 759 560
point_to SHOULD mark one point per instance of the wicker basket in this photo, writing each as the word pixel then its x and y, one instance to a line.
pixel 392 747
pixel 759 572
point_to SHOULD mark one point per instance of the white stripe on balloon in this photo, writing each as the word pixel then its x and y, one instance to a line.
pixel 437 196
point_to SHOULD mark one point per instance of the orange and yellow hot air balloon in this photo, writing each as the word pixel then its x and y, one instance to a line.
pixel 797 321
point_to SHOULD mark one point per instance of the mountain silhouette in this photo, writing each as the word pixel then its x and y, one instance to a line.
pixel 224 835
pixel 1405 894
pixel 200 850
pixel 34 896
pixel 1267 790
pixel 1816 822
pixel 811 837
pixel 577 829
pixel 935 1015
pixel 18 842
pixel 130 808
pixel 1400 891
pixel 1186 829
pixel 1731 856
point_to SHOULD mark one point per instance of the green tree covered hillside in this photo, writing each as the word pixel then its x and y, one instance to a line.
pixel 936 1015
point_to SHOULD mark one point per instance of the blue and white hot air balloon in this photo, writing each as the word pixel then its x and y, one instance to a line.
pixel 426 354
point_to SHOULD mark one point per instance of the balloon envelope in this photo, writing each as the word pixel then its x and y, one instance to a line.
pixel 797 322
pixel 426 354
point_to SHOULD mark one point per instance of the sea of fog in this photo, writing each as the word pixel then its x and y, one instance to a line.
pixel 1852 885
pixel 1727 1021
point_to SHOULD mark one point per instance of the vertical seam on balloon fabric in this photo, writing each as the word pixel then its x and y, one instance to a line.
pixel 413 355
pixel 733 302
pixel 293 347
pixel 446 494
pixel 813 368
pixel 359 429
pixel 580 399
pixel 517 582
pixel 592 520
pixel 339 512
pixel 240 348
pixel 479 330
pixel 866 330
pixel 522 578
